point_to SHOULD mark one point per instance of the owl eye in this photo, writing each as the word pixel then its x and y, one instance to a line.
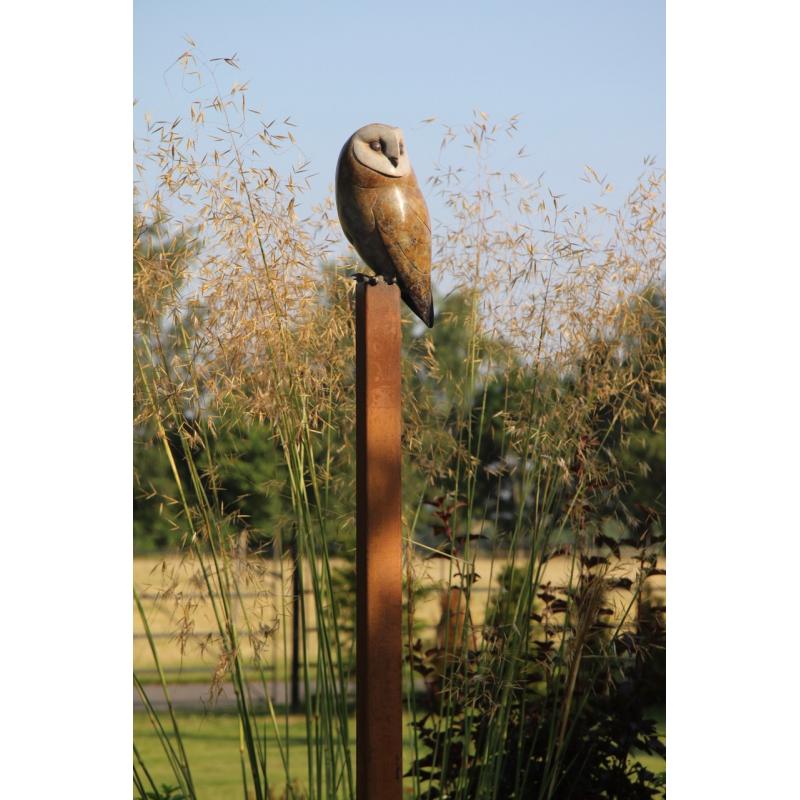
pixel 375 145
pixel 402 148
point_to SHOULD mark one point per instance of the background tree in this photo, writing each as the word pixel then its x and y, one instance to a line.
pixel 162 256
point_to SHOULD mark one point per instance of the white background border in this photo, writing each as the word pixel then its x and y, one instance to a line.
pixel 732 165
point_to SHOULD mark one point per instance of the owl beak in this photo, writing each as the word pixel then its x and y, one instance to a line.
pixel 393 159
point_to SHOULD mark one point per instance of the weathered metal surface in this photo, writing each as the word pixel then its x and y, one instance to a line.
pixel 379 706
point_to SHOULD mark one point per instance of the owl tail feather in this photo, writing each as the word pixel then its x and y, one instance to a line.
pixel 422 307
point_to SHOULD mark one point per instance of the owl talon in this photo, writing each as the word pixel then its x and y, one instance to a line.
pixel 372 280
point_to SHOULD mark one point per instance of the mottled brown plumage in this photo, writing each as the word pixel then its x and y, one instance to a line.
pixel 383 213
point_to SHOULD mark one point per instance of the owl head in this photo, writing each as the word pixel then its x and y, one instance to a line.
pixel 382 149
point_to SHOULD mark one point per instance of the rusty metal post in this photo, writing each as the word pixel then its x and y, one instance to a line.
pixel 379 704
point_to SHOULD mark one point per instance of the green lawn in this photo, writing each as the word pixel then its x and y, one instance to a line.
pixel 212 744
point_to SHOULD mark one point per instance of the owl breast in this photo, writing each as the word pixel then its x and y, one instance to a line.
pixel 361 191
pixel 386 220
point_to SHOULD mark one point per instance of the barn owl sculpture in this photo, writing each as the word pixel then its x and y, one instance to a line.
pixel 383 213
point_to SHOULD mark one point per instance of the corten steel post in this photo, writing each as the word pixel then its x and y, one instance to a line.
pixel 379 704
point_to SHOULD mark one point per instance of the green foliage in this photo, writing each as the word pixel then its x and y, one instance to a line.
pixel 162 255
pixel 154 526
pixel 576 714
pixel 249 479
pixel 164 792
pixel 500 613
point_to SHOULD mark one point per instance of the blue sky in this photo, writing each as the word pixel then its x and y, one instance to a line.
pixel 587 78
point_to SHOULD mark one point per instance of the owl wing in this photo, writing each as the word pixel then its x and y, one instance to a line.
pixel 403 225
